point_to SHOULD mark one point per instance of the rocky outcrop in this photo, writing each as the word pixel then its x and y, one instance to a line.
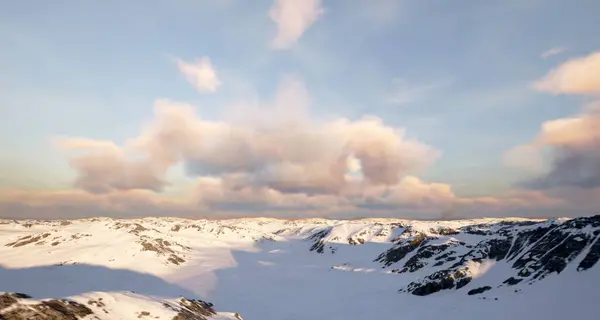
pixel 404 246
pixel 448 257
pixel 191 309
pixel 318 240
pixel 440 280
pixel 533 249
pixel 11 308
pixel 18 306
pixel 162 247
pixel 479 290
pixel 29 239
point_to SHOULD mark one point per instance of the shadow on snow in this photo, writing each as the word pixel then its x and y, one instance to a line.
pixel 67 280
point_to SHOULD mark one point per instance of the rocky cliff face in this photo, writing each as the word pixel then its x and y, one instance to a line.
pixel 447 258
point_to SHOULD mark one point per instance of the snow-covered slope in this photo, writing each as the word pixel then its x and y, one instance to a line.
pixel 265 269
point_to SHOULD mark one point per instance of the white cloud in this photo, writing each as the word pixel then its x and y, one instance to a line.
pixel 293 18
pixel 572 144
pixel 576 76
pixel 291 153
pixel 282 160
pixel 200 73
pixel 574 149
pixel 552 52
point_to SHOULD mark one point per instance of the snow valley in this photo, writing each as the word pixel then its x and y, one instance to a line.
pixel 259 268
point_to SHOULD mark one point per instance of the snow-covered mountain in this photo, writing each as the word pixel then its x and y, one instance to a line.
pixel 169 268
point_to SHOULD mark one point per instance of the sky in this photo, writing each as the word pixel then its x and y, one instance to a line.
pixel 299 108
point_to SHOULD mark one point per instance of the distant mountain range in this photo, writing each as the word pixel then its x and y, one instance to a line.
pixel 170 268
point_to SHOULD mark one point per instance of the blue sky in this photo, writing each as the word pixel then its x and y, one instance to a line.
pixel 456 75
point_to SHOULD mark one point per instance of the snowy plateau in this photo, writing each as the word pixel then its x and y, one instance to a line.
pixel 270 269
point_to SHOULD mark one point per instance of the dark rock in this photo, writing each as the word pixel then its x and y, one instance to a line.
pixel 535 249
pixel 194 310
pixel 23 241
pixel 444 231
pixel 417 261
pixel 433 287
pixel 512 281
pixel 592 256
pixel 402 249
pixel 318 238
pixel 463 282
pixel 498 248
pixel 356 242
pixel 479 290
pixel 48 310
pixel 174 259
pixel 7 300
pixel 554 248
pixel 440 280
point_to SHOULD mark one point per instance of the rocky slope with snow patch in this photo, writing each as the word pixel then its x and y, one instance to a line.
pixel 251 265
pixel 19 306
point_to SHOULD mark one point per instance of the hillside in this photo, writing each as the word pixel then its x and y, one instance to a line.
pixel 168 268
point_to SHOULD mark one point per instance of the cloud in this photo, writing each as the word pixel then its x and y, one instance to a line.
pixel 552 52
pixel 570 145
pixel 105 167
pixel 576 76
pixel 516 203
pixel 200 73
pixel 408 192
pixel 525 156
pixel 276 159
pixel 211 197
pixel 293 18
pixel 221 197
pixel 283 162
pixel 573 147
pixel 69 204
pixel 287 150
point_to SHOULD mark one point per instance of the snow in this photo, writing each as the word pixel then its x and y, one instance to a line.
pixel 232 264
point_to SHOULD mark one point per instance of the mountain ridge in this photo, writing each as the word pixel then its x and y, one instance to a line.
pixel 486 258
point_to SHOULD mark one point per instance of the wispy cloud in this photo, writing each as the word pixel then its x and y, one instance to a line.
pixel 200 73
pixel 553 52
pixel 403 92
pixel 293 18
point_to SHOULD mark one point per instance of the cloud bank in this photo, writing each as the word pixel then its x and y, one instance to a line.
pixel 289 153
pixel 284 163
pixel 278 159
